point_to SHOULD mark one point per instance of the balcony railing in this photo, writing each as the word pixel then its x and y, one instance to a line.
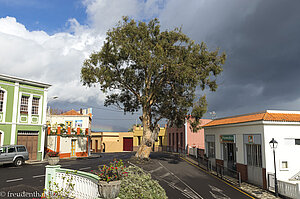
pixel 85 184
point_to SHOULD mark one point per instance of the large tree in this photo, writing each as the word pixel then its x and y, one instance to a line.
pixel 143 68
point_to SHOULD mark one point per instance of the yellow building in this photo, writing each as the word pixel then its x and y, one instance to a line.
pixel 162 139
pixel 112 141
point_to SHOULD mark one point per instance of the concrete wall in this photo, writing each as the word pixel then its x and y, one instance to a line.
pixel 138 131
pixel 61 119
pixel 196 139
pixel 238 131
pixel 113 140
pixel 285 134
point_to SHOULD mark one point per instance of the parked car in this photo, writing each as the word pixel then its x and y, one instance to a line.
pixel 16 154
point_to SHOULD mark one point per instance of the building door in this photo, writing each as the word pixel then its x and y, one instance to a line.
pixel 31 142
pixel 73 146
pixel 127 144
pixel 254 164
pixel 229 155
pixel 96 143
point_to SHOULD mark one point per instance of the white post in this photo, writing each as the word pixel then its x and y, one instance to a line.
pixel 298 190
pixel 50 175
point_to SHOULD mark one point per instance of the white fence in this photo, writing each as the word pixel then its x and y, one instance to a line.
pixel 289 189
pixel 85 184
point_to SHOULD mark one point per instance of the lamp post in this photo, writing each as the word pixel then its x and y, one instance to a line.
pixel 273 144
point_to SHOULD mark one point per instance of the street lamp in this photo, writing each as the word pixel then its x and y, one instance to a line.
pixel 273 144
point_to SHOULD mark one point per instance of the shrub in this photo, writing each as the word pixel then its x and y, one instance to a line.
pixel 138 184
pixel 53 154
pixel 113 172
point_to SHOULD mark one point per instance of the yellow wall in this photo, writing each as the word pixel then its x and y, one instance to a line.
pixel 113 140
pixel 138 131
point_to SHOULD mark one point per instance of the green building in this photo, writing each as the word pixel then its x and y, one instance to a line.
pixel 23 105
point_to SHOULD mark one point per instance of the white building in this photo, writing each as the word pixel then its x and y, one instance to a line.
pixel 242 143
pixel 69 133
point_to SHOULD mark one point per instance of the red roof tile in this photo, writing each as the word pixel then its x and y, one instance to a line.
pixel 71 112
pixel 262 116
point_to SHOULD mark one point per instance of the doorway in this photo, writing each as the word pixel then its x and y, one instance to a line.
pixel 73 146
pixel 229 155
pixel 96 143
pixel 31 143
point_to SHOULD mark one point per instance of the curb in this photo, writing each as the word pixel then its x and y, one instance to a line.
pixel 221 179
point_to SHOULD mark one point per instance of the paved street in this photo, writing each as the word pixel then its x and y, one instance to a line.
pixel 180 179
pixel 31 177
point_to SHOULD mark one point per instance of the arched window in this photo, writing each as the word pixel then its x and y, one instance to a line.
pixel 1 100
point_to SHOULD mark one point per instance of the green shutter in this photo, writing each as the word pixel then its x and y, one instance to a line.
pixel 38 97
pixel 26 95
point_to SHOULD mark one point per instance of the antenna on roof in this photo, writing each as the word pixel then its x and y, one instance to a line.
pixel 213 115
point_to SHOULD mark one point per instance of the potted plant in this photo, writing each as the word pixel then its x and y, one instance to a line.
pixel 53 157
pixel 110 179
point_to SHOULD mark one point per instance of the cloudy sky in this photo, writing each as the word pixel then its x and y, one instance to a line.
pixel 48 41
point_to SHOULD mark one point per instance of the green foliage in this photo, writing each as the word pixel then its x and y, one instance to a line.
pixel 113 172
pixel 57 191
pixel 199 109
pixel 140 185
pixel 153 70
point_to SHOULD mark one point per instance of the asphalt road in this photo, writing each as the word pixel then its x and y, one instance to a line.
pixel 180 179
pixel 31 177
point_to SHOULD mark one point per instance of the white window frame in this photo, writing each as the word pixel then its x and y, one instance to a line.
pixel 38 106
pixel 28 102
pixel 4 104
pixel 280 165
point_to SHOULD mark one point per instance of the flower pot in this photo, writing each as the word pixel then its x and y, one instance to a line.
pixel 53 160
pixel 109 190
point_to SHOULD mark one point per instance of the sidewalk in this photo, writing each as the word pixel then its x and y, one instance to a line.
pixel 92 156
pixel 249 188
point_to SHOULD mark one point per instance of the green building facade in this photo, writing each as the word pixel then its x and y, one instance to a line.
pixel 23 105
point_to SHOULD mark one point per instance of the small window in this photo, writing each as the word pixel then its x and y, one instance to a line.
pixel 24 104
pixel 284 164
pixel 11 150
pixel 3 149
pixel 1 100
pixel 21 149
pixel 160 141
pixel 35 106
pixel 139 140
pixel 68 123
pixel 297 141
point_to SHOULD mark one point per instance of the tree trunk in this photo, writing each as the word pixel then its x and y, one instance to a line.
pixel 147 143
pixel 148 138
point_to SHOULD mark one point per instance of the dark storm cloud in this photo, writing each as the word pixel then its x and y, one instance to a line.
pixel 262 41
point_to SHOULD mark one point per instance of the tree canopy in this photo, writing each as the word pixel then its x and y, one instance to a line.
pixel 153 70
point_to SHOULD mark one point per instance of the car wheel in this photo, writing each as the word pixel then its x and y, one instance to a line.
pixel 18 162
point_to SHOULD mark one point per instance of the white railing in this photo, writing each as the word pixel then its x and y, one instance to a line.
pixel 85 184
pixel 193 151
pixel 289 189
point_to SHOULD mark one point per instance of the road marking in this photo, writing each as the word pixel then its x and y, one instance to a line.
pixel 38 176
pixel 181 181
pixel 13 180
pixel 219 193
pixel 165 175
pixel 218 178
pixel 154 170
pixel 85 168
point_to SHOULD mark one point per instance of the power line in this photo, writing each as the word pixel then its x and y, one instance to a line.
pixel 96 107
